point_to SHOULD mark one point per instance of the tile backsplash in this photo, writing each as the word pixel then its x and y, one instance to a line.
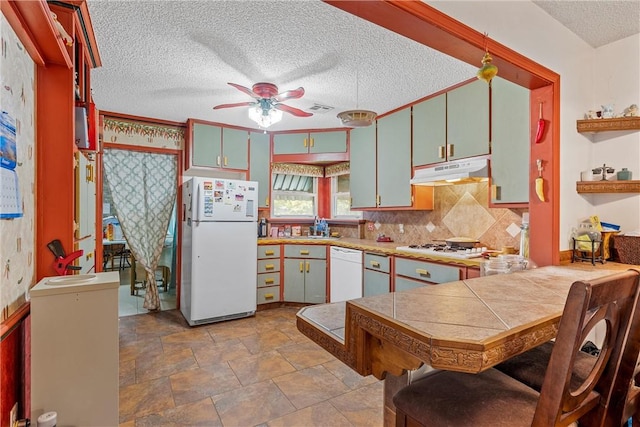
pixel 459 211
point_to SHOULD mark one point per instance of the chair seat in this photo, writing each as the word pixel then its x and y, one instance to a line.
pixel 531 366
pixel 447 398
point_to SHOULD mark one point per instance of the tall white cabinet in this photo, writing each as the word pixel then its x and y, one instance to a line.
pixel 74 349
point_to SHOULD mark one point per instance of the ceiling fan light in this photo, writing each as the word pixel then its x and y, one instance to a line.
pixel 357 118
pixel 264 117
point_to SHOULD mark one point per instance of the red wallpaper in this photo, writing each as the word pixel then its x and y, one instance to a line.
pixel 13 381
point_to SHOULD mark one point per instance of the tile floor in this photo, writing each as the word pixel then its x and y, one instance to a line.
pixel 257 371
pixel 132 304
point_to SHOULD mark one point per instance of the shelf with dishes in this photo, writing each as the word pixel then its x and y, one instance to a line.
pixel 607 125
pixel 583 187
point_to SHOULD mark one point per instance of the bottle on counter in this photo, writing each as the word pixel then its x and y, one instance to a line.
pixel 262 228
pixel 524 236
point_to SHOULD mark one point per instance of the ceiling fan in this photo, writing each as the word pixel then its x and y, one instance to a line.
pixel 267 108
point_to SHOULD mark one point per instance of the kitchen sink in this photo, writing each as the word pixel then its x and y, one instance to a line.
pixel 79 279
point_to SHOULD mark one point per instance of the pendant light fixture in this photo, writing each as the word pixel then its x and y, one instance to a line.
pixel 357 118
pixel 488 71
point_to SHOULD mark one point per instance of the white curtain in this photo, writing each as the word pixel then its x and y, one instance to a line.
pixel 143 191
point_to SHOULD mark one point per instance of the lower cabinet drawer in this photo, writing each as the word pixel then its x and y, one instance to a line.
pixel 268 265
pixel 268 279
pixel 376 283
pixel 376 262
pixel 270 294
pixel 426 271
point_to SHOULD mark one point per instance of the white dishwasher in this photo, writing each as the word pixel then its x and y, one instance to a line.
pixel 346 274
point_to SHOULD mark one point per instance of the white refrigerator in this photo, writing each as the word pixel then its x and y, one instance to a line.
pixel 219 249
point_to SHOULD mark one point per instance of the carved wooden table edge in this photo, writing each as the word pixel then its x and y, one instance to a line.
pixel 327 341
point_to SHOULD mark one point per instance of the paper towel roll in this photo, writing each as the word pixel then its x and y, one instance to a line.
pixel 48 419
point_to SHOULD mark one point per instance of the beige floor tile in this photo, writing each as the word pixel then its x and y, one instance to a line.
pixel 320 415
pixel 252 405
pixel 127 372
pixel 362 407
pixel 200 413
pixel 189 338
pixel 351 378
pixel 220 352
pixel 196 384
pixel 306 354
pixel 133 349
pixel 145 398
pixel 257 368
pixel 228 331
pixel 156 365
pixel 265 341
pixel 310 386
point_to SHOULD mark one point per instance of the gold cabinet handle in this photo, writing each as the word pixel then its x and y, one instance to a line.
pixel 301 267
pixel 269 281
pixel 269 267
pixel 89 173
pixel 226 160
pixel 378 200
pixel 310 142
pixel 449 150
pixel 269 252
pixel 304 252
pixel 268 296
pixel 308 266
pixel 375 264
pixel 441 151
pixel 305 142
pixel 266 201
pixel 218 160
pixel 422 272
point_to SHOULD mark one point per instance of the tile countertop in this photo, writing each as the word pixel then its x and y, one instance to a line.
pixel 467 325
pixel 386 248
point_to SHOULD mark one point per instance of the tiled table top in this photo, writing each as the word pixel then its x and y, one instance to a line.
pixel 468 325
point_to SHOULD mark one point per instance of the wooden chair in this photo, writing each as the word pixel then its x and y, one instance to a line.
pixel 138 277
pixel 492 398
pixel 530 367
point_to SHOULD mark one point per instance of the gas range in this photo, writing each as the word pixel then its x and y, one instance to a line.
pixel 443 251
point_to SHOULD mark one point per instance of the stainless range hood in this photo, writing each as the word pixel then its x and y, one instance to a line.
pixel 454 172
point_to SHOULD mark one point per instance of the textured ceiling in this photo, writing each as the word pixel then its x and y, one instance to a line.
pixel 172 60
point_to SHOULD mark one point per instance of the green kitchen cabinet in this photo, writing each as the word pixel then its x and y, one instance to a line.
pixel 362 178
pixel 376 274
pixel 305 280
pixel 467 121
pixel 510 148
pixel 218 147
pixel 381 163
pixel 260 165
pixel 305 273
pixel 429 130
pixel 411 273
pixel 394 160
pixel 310 142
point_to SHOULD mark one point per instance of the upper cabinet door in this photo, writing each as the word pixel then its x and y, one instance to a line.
pixel 468 120
pixel 235 149
pixel 328 142
pixel 206 147
pixel 363 167
pixel 394 159
pixel 259 166
pixel 291 143
pixel 510 127
pixel 430 131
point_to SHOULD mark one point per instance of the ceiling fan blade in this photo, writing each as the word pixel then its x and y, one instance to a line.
pixel 244 89
pixel 237 104
pixel 290 94
pixel 291 110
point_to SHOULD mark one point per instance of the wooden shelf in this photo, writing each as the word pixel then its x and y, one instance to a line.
pixel 607 125
pixel 608 187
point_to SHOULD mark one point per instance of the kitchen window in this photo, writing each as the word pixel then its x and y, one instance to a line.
pixel 294 191
pixel 341 198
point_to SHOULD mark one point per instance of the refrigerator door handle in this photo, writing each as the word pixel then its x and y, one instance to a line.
pixel 196 211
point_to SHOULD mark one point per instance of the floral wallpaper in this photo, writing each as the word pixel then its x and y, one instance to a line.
pixel 17 238
pixel 129 132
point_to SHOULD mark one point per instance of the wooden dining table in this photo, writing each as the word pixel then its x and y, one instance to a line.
pixel 466 326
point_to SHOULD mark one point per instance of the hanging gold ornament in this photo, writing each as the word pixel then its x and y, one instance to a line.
pixel 488 70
